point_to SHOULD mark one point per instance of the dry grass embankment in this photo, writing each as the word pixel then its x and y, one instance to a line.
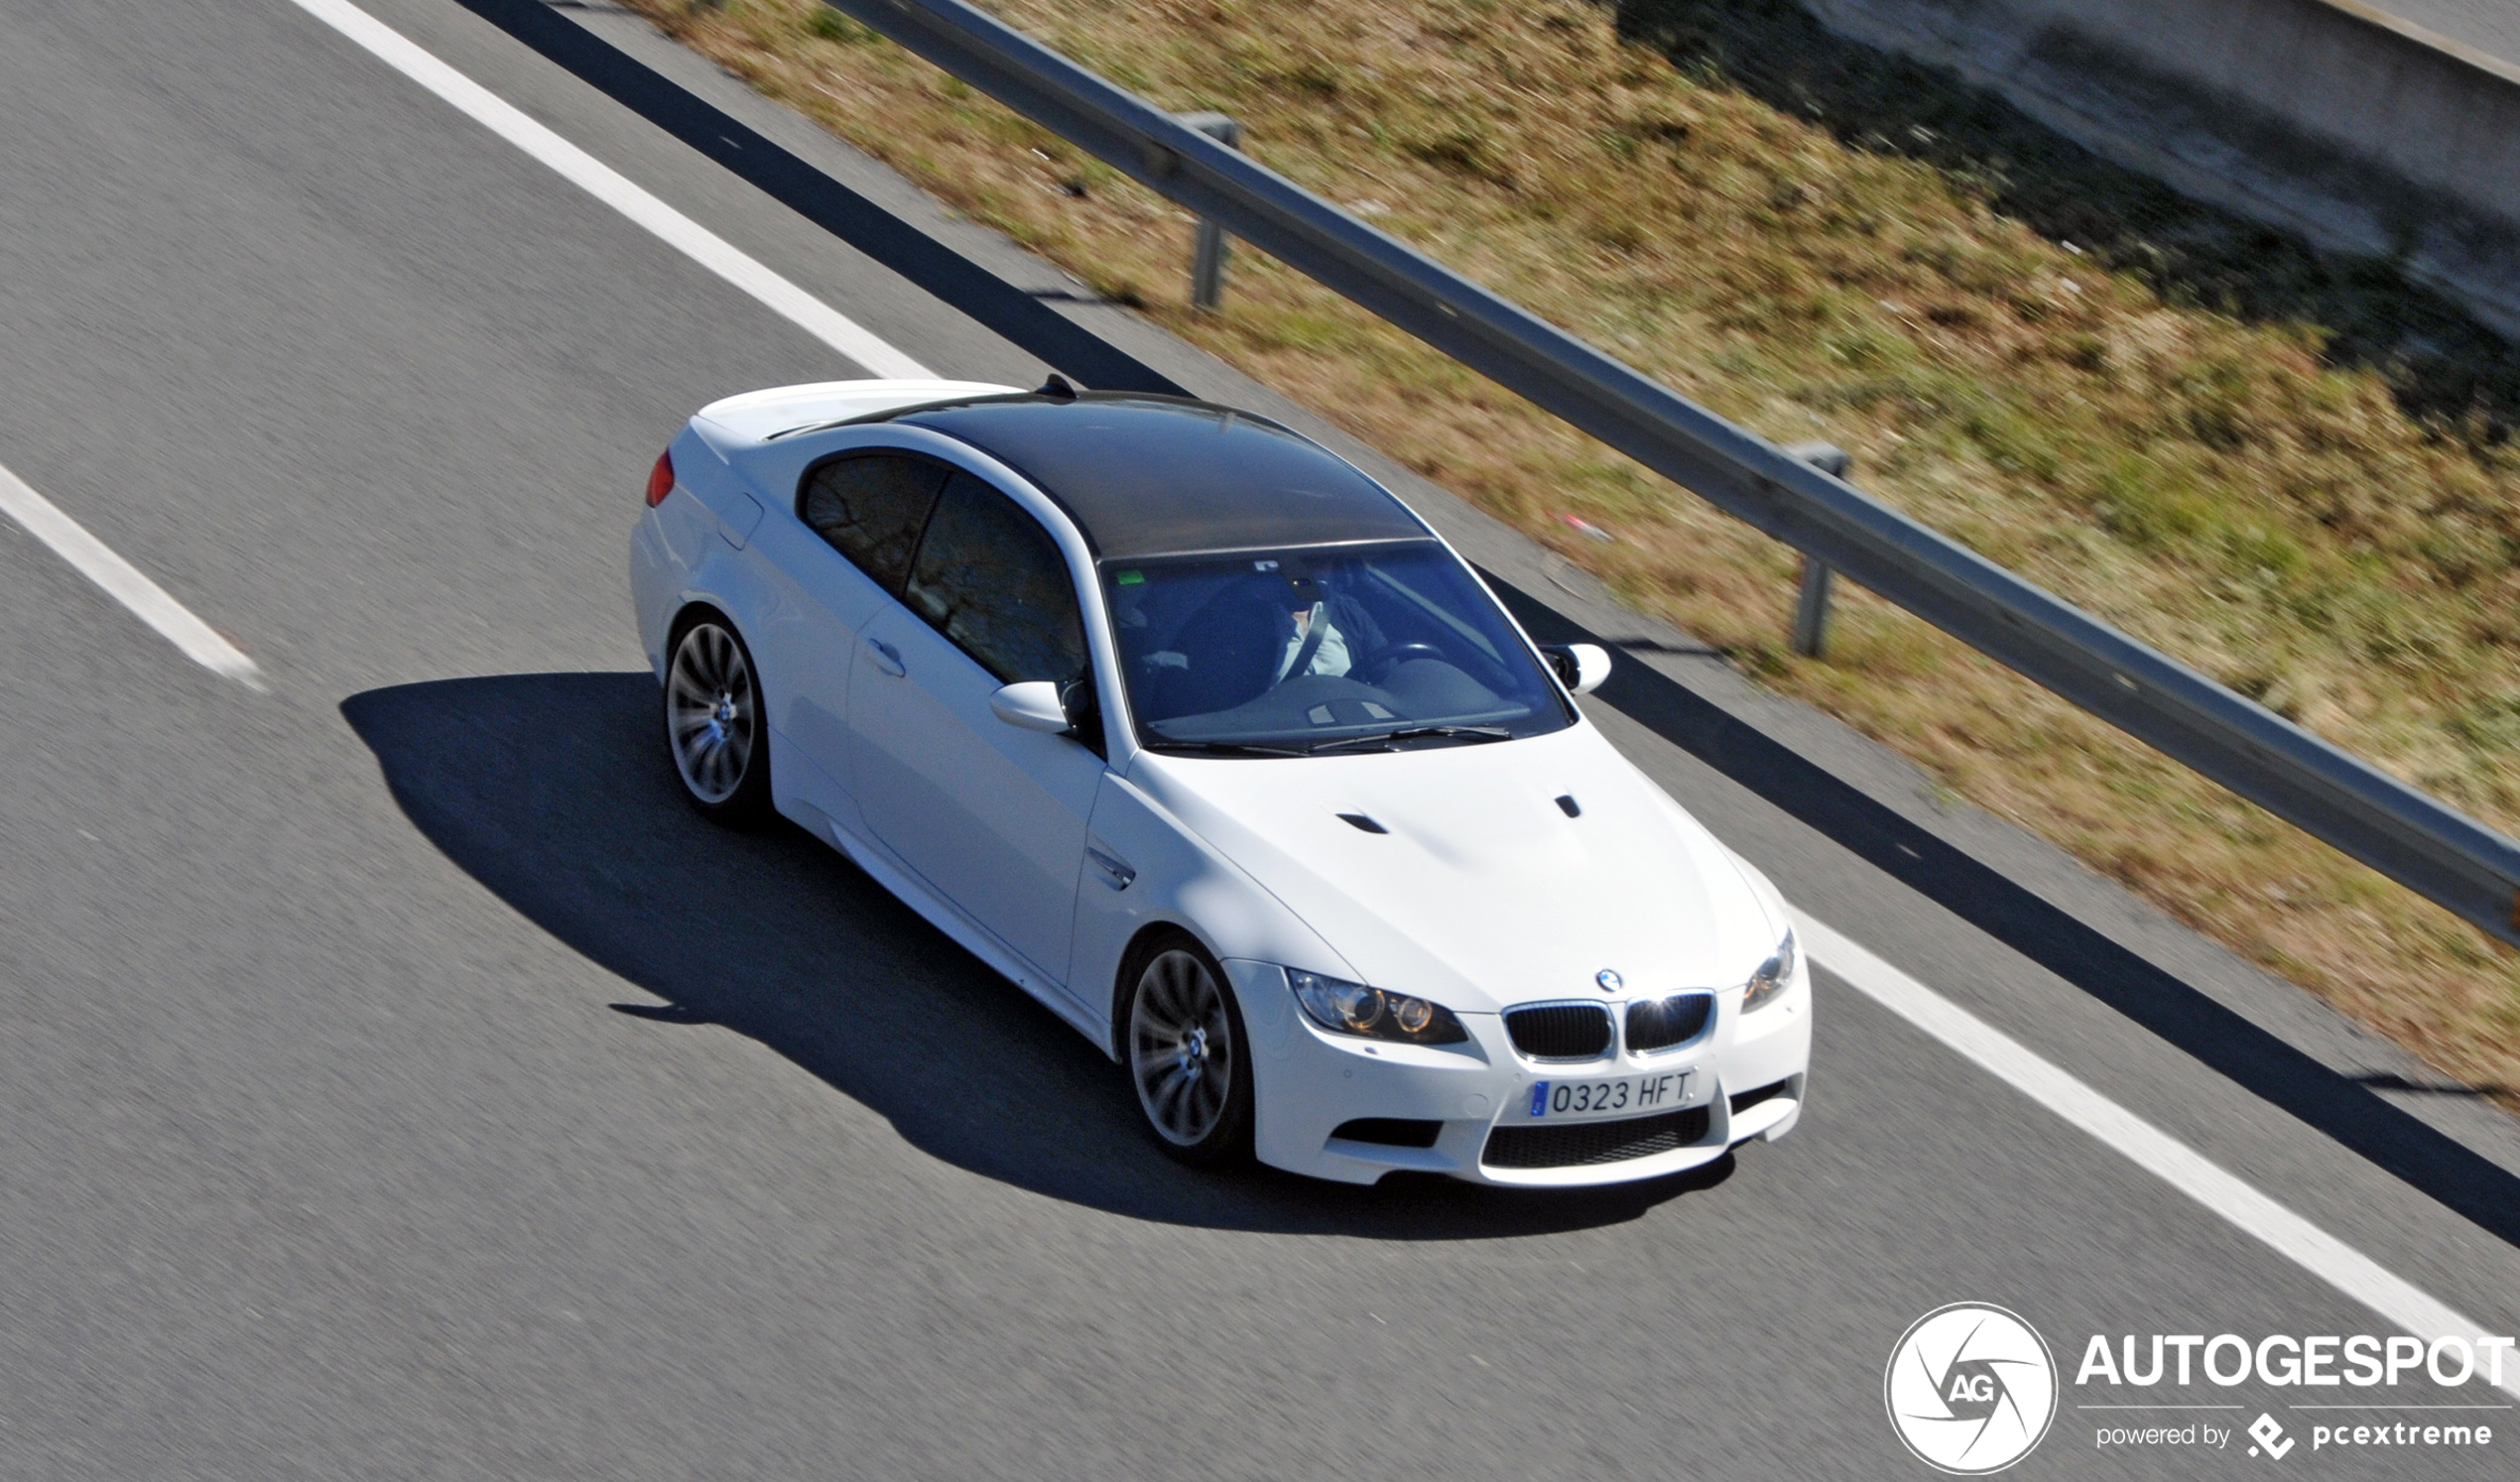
pixel 2207 435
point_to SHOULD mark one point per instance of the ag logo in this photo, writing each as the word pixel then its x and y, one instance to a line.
pixel 1970 1388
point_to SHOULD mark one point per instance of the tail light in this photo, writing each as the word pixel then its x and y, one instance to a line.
pixel 661 480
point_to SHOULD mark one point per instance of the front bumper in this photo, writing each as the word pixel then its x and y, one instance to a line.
pixel 1310 1085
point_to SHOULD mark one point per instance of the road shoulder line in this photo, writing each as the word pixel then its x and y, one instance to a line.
pixel 2164 1157
pixel 711 251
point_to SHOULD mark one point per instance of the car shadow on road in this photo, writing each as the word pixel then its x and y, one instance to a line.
pixel 551 790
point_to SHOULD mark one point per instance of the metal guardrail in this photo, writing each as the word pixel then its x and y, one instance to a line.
pixel 2415 839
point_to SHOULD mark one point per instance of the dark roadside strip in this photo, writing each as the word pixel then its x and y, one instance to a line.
pixel 1012 312
pixel 2342 1108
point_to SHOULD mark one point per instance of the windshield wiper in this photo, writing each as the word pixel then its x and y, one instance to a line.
pixel 1224 749
pixel 1413 732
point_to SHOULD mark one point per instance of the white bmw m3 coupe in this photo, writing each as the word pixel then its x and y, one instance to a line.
pixel 1209 743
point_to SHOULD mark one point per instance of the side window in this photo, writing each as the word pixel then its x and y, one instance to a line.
pixel 990 578
pixel 870 509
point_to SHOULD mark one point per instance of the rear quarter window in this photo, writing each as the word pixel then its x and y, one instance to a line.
pixel 870 507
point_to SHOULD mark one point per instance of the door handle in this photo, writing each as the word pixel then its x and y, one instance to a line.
pixel 887 658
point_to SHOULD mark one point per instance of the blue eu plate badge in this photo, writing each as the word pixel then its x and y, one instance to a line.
pixel 1539 1097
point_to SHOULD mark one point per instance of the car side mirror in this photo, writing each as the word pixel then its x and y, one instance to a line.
pixel 1580 666
pixel 1084 712
pixel 1033 704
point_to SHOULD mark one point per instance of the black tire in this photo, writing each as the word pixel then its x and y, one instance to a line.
pixel 716 729
pixel 1181 1035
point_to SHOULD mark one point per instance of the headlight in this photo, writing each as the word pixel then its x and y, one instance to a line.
pixel 1772 976
pixel 1355 1008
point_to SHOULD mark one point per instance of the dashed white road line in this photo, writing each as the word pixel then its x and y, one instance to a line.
pixel 123 582
pixel 2322 1255
pixel 2158 1152
pixel 610 186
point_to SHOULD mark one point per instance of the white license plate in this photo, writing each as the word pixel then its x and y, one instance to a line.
pixel 1614 1096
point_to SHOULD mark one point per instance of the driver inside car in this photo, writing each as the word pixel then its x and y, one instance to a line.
pixel 1328 633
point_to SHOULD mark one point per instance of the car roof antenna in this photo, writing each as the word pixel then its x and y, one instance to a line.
pixel 1057 388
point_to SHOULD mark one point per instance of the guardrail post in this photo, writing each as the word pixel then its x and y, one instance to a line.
pixel 1811 605
pixel 1207 257
pixel 1811 611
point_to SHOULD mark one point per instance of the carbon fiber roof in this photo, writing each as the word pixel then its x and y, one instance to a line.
pixel 1148 476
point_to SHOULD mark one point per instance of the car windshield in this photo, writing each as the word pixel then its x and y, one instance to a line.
pixel 1296 651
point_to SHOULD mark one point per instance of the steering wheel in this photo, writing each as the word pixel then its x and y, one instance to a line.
pixel 1382 661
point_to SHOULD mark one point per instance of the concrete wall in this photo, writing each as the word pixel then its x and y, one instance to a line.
pixel 2357 129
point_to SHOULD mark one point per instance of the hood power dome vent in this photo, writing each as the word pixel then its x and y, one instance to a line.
pixel 1568 806
pixel 1363 823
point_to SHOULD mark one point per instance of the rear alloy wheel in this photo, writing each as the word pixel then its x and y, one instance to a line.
pixel 1187 1055
pixel 712 724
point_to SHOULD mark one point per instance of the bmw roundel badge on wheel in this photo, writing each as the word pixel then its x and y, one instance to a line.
pixel 1206 741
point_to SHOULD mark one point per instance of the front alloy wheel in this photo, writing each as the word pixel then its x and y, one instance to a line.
pixel 1185 1054
pixel 713 723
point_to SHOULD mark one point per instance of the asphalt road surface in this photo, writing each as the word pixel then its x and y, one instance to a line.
pixel 399 1080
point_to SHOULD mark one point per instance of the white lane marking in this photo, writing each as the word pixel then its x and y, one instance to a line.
pixel 123 582
pixel 610 186
pixel 2175 1162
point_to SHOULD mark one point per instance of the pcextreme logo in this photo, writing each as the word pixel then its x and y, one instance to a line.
pixel 1970 1389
